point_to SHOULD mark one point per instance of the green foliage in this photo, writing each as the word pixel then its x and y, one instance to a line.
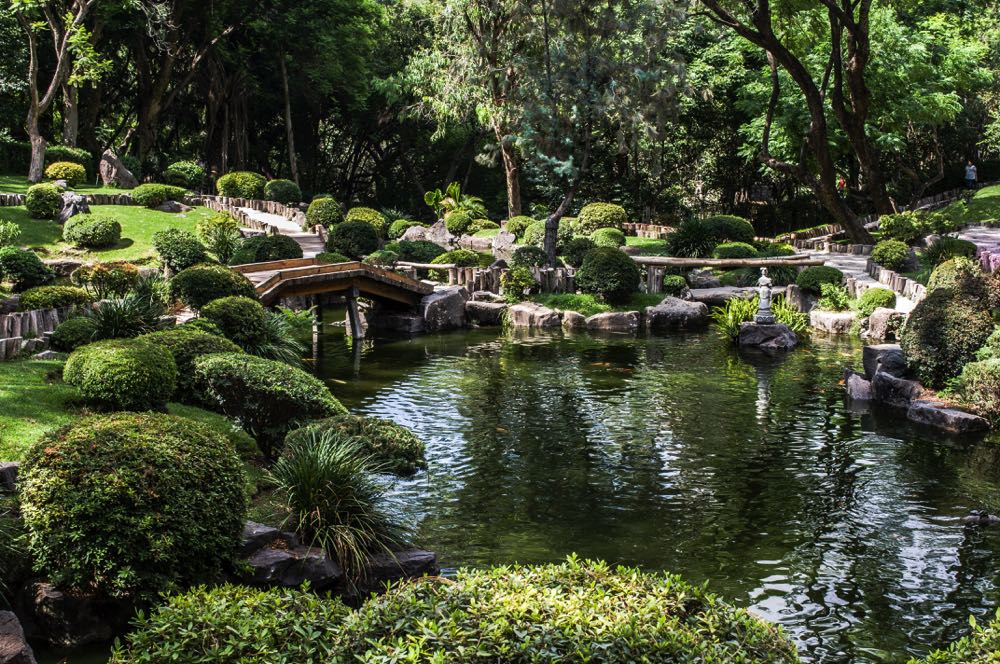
pixel 739 278
pixel 267 398
pixel 904 227
pixel 833 298
pixel 122 374
pixel 200 284
pixel 55 153
pixel 608 237
pixel 332 257
pixel 729 228
pixel 692 239
pixel 92 231
pixel 186 344
pixel 241 184
pixel 730 317
pixel 324 212
pixel 132 505
pixel 534 234
pixel 185 174
pixel 812 278
pixel 942 335
pixel 453 200
pixel 73 333
pixel 370 216
pixel 264 248
pixel 390 445
pixel 458 257
pixel 961 275
pixel 945 249
pixel 399 227
pixel 978 387
pixel 517 225
pixel 609 273
pixel 283 191
pixel 9 232
pixel 241 319
pixel 479 225
pixel 458 223
pixel 53 297
pixel 73 174
pixel 735 250
pixel 43 201
pixel 129 316
pixel 600 215
pixel 416 251
pixel 353 238
pixel 891 254
pixel 576 249
pixel 980 647
pixel 178 249
pixel 774 249
pixel 106 280
pixel 23 269
pixel 674 284
pixel 529 256
pixel 382 258
pixel 221 235
pixel 154 195
pixel 875 298
pixel 516 283
pixel 786 314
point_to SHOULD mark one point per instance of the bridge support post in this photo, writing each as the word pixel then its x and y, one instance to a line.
pixel 353 315
pixel 317 327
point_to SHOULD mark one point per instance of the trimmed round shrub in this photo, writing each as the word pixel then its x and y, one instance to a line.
pixel 92 231
pixel 73 333
pixel 517 225
pixel 692 239
pixel 978 386
pixel 201 325
pixel 332 257
pixel 264 248
pixel 122 374
pixel 600 215
pixel 529 256
pixel 200 284
pixel 609 273
pixel 417 251
pixel 961 275
pixel 391 445
pixel 458 257
pixel 54 153
pixel 891 254
pixel 186 344
pixel 267 398
pixel 774 249
pixel 399 227
pixel 458 223
pixel 674 284
pixel 812 278
pixel 608 237
pixel 576 249
pixel 324 212
pixel 132 505
pixel 875 298
pixel 904 226
pixel 735 250
pixel 43 201
pixel 107 280
pixel 23 269
pixel 942 335
pixel 534 234
pixel 186 174
pixel 154 195
pixel 241 319
pixel 947 248
pixel 53 297
pixel 283 191
pixel 382 258
pixel 353 238
pixel 241 184
pixel 729 228
pixel 373 218
pixel 73 174
pixel 179 249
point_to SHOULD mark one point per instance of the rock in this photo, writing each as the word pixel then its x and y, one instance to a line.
pixel 499 264
pixel 614 321
pixel 65 620
pixel 444 309
pixel 290 568
pixel 674 313
pixel 48 355
pixel 939 416
pixel 895 391
pixel 8 476
pixel 401 323
pixel 485 314
pixel 797 298
pixel 14 649
pixel 832 322
pixel 439 234
pixel 858 387
pixel 256 536
pixel 73 204
pixel 386 568
pixel 114 172
pixel 173 207
pixel 504 244
pixel 61 185
pixel 487 296
pixel 703 279
pixel 531 315
pixel 888 358
pixel 9 304
pixel 885 323
pixel 981 518
pixel 717 297
pixel 64 267
pixel 415 233
pixel 767 337
pixel 573 321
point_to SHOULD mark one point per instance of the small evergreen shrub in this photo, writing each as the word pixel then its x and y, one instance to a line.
pixel 106 280
pixel 978 386
pixel 517 225
pixel 122 374
pixel 937 222
pixel 692 239
pixel 812 278
pixel 73 174
pixel 390 445
pixel 458 223
pixel 729 228
pixel 417 251
pixel 186 344
pixel 382 258
pixel 132 505
pixel 9 232
pixel 73 333
pixel 576 249
pixel 833 298
pixel 399 227
pixel 178 249
pixel 529 256
pixel 154 195
pixel 891 254
pixel 372 217
pixel 53 297
pixel 353 238
pixel 241 319
pixel 534 234
pixel 479 225
pixel 674 284
pixel 184 174
pixel 43 201
pixel 608 273
pixel 608 237
pixel 735 250
pixel 23 269
pixel 980 647
pixel 961 275
pixel 774 249
pixel 200 284
pixel 516 283
pixel 221 235
pixel 903 226
pixel 324 212
pixel 264 248
pixel 600 215
pixel 285 192
pixel 947 248
pixel 875 298
pixel 92 231
pixel 241 184
pixel 54 153
pixel 332 257
pixel 458 257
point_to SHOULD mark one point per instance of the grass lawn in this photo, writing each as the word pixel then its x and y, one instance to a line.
pixel 138 226
pixel 18 184
pixel 646 246
pixel 984 207
pixel 588 305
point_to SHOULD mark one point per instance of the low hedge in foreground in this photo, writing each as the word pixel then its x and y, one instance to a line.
pixel 53 297
pixel 572 612
pixel 122 374
pixel 388 443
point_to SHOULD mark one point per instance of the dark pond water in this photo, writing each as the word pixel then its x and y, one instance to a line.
pixel 679 454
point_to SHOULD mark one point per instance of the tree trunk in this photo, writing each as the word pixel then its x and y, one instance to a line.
pixel 37 169
pixel 71 115
pixel 552 226
pixel 292 163
pixel 512 171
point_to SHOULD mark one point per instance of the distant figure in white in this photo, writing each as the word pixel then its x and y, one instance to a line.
pixel 764 315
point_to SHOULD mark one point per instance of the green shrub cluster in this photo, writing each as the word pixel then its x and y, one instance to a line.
pixel 332 257
pixel 184 174
pixel 416 251
pixel 73 174
pixel 979 647
pixel 517 225
pixel 241 319
pixel 23 269
pixel 355 239
pixel 479 225
pixel 812 278
pixel 382 258
pixel 106 280
pixel 399 227
pixel 200 284
pixel 903 226
pixel 285 192
pixel 186 344
pixel 875 298
pixel 122 374
pixel 43 201
pixel 978 386
pixel 92 231
pixel 178 249
pixel 458 257
pixel 9 232
pixel 529 256
pixel 264 248
pixel 372 217
pixel 600 215
pixel 391 445
pixel 53 297
pixel 516 283
pixel 674 284
pixel 324 212
pixel 735 250
pixel 946 248
pixel 73 333
pixel 576 249
pixel 609 273
pixel 55 153
pixel 961 275
pixel 221 235
pixel 729 228
pixel 241 184
pixel 154 195
pixel 891 254
pixel 458 222
pixel 608 237
pixel 833 297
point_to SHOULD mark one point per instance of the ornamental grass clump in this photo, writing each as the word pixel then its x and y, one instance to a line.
pixel 390 445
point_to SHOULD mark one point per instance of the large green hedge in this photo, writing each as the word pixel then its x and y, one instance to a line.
pixel 186 345
pixel 600 215
pixel 200 284
pixel 122 374
pixel 241 184
pixel 609 273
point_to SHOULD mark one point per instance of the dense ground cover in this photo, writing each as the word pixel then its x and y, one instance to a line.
pixel 18 184
pixel 588 305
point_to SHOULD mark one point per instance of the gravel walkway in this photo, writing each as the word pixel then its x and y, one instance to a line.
pixel 311 244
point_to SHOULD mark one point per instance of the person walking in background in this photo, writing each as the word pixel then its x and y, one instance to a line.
pixel 971 175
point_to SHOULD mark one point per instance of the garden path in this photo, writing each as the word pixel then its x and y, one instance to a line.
pixel 854 265
pixel 311 243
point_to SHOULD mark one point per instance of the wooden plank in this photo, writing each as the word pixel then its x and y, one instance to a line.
pixel 270 266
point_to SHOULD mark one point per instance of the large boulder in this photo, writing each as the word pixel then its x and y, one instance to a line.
pixel 884 324
pixel 674 313
pixel 614 321
pixel 73 204
pixel 8 476
pixel 887 358
pixel 401 323
pixel 71 620
pixel 504 244
pixel 832 322
pixel 444 309
pixel 256 536
pixel 291 567
pixel 173 207
pixel 939 416
pixel 532 315
pixel 384 568
pixel 439 234
pixel 486 296
pixel 114 172
pixel 894 391
pixel 858 387
pixel 767 337
pixel 703 279
pixel 415 233
pixel 573 321
pixel 14 649
pixel 485 314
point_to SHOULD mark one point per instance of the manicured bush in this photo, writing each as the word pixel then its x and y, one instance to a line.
pixel 73 333
pixel 132 505
pixel 324 212
pixel 186 344
pixel 937 222
pixel 200 284
pixel 241 319
pixel 812 278
pixel 529 256
pixel 92 231
pixel 729 228
pixel 674 284
pixel 332 257
pixel 122 374
pixel 185 174
pixel 458 223
pixel 373 218
pixel 389 444
pixel 774 249
pixel 399 227
pixel 947 248
pixel 609 273
pixel 978 386
pixel 383 258
pixel 942 335
pixel 178 249
pixel 517 225
pixel 43 201
pixel 875 298
pixel 54 153
pixel 283 191
pixel 353 238
pixel 534 234
pixel 106 280
pixel 263 248
pixel 904 226
pixel 267 398
pixel 23 269
pixel 961 275
pixel 692 239
pixel 735 250
pixel 241 184
pixel 891 254
pixel 608 237
pixel 576 249
pixel 517 283
pixel 600 215
pixel 73 174
pixel 154 195
pixel 479 225
pixel 417 251
pixel 458 257
pixel 9 232
pixel 53 297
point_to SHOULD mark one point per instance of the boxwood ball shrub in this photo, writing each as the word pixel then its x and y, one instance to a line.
pixel 282 191
pixel 73 333
pixel 186 344
pixel 735 250
pixel 373 218
pixel 458 223
pixel 92 231
pixel 729 228
pixel 399 227
pixel 674 284
pixel 267 398
pixel 575 250
pixel 529 256
pixel 875 298
pixel 241 319
pixel 382 258
pixel 324 212
pixel 904 226
pixel 73 174
pixel 132 505
pixel 241 184
pixel 517 225
pixel 185 174
pixel 391 445
pixel 179 249
pixel 608 237
pixel 263 248
pixel 891 254
pixel 122 374
pixel 458 257
pixel 53 297
pixel 200 284
pixel 609 273
pixel 961 275
pixel 812 278
pixel 153 195
pixel 43 201
pixel 355 239
pixel 23 269
pixel 600 215
pixel 417 251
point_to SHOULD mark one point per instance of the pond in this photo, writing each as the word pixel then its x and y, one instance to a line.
pixel 676 453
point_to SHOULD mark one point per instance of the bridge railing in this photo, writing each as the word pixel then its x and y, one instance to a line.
pixel 550 279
